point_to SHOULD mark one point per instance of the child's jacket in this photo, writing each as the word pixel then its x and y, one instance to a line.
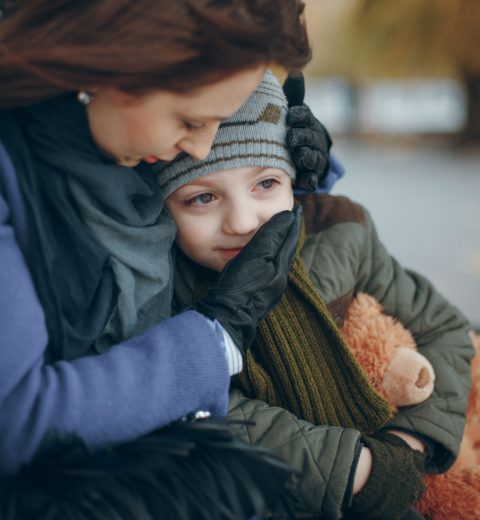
pixel 344 256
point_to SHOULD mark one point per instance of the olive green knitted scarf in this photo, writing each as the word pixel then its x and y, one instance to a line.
pixel 299 360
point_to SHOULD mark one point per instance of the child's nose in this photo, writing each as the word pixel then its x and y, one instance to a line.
pixel 241 219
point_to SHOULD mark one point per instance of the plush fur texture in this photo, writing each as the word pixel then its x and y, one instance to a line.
pixel 387 352
pixel 456 493
pixel 384 349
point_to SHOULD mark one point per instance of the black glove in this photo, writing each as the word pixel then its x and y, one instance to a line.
pixel 308 140
pixel 396 480
pixel 252 283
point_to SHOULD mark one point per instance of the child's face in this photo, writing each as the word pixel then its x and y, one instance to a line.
pixel 218 214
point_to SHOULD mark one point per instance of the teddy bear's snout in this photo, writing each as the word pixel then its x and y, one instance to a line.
pixel 408 378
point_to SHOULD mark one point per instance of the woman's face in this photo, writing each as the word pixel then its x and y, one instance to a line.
pixel 160 125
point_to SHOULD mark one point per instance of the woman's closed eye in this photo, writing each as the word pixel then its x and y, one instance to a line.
pixel 190 125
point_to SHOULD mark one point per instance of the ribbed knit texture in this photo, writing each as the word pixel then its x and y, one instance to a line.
pixel 255 135
pixel 299 361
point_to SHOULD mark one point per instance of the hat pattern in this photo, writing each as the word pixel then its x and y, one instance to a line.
pixel 254 136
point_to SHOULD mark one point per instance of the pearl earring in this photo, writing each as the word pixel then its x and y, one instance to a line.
pixel 84 97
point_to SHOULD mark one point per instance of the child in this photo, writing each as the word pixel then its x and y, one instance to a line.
pixel 299 371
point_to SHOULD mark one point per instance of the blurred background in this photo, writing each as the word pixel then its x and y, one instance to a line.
pixel 398 86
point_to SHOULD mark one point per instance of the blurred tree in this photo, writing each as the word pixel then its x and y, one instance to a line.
pixel 388 38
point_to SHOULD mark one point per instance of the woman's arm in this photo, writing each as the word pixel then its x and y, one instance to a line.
pixel 174 368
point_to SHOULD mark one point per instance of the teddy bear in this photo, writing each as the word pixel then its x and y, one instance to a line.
pixel 387 352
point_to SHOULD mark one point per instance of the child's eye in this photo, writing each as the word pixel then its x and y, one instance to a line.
pixel 200 200
pixel 267 184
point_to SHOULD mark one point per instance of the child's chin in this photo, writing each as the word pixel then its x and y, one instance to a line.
pixel 216 266
pixel 219 268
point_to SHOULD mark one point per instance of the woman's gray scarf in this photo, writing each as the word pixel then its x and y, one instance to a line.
pixel 122 209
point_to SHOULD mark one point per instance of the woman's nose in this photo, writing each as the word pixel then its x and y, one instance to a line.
pixel 198 145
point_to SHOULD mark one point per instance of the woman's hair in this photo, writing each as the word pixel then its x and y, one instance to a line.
pixel 52 46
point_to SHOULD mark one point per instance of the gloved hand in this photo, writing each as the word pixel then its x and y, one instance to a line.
pixel 308 140
pixel 252 283
pixel 395 482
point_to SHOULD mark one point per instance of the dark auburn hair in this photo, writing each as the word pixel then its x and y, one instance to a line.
pixel 52 46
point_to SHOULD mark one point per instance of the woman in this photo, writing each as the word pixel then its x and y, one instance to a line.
pixel 92 94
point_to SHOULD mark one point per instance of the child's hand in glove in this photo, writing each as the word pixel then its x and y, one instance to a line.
pixel 252 283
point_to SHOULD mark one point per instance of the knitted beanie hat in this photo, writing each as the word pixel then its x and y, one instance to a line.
pixel 254 136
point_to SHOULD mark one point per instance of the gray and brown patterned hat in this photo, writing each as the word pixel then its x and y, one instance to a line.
pixel 254 136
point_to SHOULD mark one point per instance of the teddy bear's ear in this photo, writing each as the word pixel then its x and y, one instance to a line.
pixel 368 302
pixel 365 307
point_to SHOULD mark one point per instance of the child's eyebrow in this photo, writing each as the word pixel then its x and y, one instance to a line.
pixel 202 182
pixel 258 171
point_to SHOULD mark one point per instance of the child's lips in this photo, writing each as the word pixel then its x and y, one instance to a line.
pixel 231 252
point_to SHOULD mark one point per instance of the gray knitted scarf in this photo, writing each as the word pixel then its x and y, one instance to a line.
pixel 122 209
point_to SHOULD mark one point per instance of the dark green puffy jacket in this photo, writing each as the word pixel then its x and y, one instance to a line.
pixel 344 256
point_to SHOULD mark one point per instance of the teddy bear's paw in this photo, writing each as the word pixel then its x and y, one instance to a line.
pixel 453 495
pixel 408 378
